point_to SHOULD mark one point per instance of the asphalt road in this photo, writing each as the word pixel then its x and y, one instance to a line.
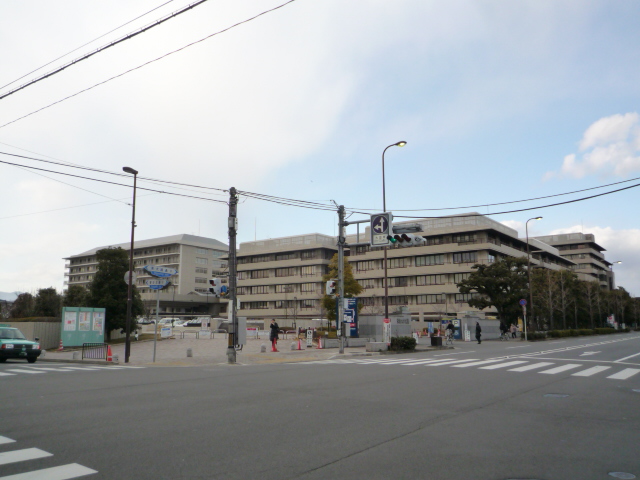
pixel 499 410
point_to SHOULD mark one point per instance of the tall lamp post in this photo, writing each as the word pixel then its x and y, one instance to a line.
pixel 384 209
pixel 127 344
pixel 526 226
pixel 613 279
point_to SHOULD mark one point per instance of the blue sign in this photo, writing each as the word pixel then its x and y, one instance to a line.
pixel 380 228
pixel 523 302
pixel 157 284
pixel 161 272
pixel 350 315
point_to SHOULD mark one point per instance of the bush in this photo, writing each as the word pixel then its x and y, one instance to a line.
pixel 585 331
pixel 573 333
pixel 532 336
pixel 402 344
pixel 604 331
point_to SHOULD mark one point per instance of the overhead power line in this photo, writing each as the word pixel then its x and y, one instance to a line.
pixel 148 63
pixel 103 48
pixel 85 44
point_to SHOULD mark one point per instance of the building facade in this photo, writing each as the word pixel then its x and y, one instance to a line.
pixel 196 259
pixel 282 278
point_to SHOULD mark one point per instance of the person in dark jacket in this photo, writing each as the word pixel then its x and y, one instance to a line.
pixel 478 332
pixel 273 335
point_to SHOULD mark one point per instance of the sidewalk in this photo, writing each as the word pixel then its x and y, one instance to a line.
pixel 173 352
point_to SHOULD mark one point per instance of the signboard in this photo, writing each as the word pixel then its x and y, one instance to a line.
pixel 386 331
pixel 522 302
pixel 82 325
pixel 309 338
pixel 165 332
pixel 157 284
pixel 161 272
pixel 350 316
pixel 380 228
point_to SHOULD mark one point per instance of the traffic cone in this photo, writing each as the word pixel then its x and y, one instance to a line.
pixel 60 348
pixel 299 347
pixel 319 343
pixel 273 346
pixel 109 354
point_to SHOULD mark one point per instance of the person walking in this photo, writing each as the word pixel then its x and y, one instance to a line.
pixel 478 332
pixel 513 330
pixel 503 330
pixel 273 335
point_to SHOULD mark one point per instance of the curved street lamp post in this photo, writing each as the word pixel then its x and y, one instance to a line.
pixel 526 225
pixel 127 345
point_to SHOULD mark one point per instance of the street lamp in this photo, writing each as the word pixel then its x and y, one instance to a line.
pixel 295 312
pixel 127 344
pixel 384 209
pixel 526 226
pixel 613 283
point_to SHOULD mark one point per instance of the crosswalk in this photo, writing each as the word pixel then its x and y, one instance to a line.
pixel 24 455
pixel 613 372
pixel 29 370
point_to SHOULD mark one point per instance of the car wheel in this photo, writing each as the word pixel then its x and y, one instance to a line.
pixel 32 359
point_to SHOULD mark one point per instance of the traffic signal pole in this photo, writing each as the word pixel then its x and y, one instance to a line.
pixel 233 275
pixel 341 244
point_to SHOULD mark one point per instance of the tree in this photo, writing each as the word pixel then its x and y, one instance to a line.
pixel 109 291
pixel 500 284
pixel 545 288
pixel 591 293
pixel 76 296
pixel 23 306
pixel 351 287
pixel 48 303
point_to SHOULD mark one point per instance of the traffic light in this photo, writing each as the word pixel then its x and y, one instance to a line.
pixel 408 239
pixel 331 287
pixel 214 282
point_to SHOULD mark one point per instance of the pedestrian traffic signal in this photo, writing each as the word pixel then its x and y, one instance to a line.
pixel 331 287
pixel 217 288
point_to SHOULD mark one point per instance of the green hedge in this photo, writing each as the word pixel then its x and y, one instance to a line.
pixel 580 332
pixel 402 344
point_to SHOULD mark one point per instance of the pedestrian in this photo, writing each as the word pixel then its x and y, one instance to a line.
pixel 273 335
pixel 478 332
pixel 503 330
pixel 513 330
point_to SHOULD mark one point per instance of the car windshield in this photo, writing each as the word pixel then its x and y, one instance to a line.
pixel 11 334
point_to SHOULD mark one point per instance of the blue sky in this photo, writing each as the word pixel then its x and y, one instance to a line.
pixel 498 101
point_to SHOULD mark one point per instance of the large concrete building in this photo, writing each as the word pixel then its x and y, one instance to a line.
pixel 282 278
pixel 196 259
pixel 582 249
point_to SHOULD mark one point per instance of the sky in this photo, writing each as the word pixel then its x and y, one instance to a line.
pixel 498 101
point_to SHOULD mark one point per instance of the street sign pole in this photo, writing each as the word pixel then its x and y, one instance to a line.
pixel 155 330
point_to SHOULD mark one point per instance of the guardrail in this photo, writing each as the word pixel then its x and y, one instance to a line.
pixel 94 350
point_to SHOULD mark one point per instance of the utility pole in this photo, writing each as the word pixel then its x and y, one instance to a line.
pixel 233 275
pixel 341 243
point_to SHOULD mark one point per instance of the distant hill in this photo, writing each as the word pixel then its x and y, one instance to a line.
pixel 9 296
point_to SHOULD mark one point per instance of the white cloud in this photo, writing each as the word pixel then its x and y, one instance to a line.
pixel 621 245
pixel 610 146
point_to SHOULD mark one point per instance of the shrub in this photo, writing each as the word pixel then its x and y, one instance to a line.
pixel 573 333
pixel 533 336
pixel 585 331
pixel 402 343
pixel 604 331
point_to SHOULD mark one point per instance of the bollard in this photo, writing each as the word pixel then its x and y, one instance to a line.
pixel 263 348
pixel 115 358
pixel 42 353
pixel 76 355
pixel 189 352
pixel 293 345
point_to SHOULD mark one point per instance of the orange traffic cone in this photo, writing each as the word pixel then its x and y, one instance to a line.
pixel 299 347
pixel 109 354
pixel 60 348
pixel 319 343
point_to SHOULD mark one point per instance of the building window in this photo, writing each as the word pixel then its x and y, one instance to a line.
pixel 285 256
pixel 309 254
pixel 203 251
pixel 398 281
pixel 308 271
pixel 430 280
pixel 399 300
pixel 285 272
pixel 491 258
pixel 285 288
pixel 201 261
pixel 367 283
pixel 254 305
pixel 367 301
pixel 364 266
pixel 260 290
pixel 426 260
pixel 465 257
pixel 308 287
pixel 243 290
pixel 201 280
pixel 259 274
pixel 398 262
pixel 465 297
pixel 465 238
pixel 458 277
pixel 201 270
pixel 430 299
pixel 308 303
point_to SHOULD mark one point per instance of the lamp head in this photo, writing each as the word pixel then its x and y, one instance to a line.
pixel 400 144
pixel 538 218
pixel 618 261
pixel 130 170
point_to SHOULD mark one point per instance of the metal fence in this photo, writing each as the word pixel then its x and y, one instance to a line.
pixel 94 350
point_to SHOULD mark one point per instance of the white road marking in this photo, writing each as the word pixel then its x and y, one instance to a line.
pixel 625 358
pixel 440 361
pixel 79 368
pixel 562 368
pixel 591 371
pixel 64 472
pixel 22 455
pixel 459 353
pixel 526 368
pixel 558 341
pixel 473 364
pixel 18 370
pixel 6 374
pixel 624 374
pixel 503 365
pixel 50 369
pixel 450 362
pixel 4 440
pixel 586 354
pixel 520 346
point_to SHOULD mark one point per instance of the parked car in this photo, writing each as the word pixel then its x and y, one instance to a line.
pixel 196 322
pixel 13 344
pixel 179 323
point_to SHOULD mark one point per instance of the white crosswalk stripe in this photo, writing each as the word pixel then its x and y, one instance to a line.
pixel 451 362
pixel 624 374
pixel 22 455
pixel 504 365
pixel 526 368
pixel 4 440
pixel 64 472
pixel 562 368
pixel 590 371
pixel 2 374
pixel 66 369
pixel 21 370
pixel 473 364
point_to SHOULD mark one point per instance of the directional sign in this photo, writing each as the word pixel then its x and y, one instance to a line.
pixel 157 284
pixel 162 272
pixel 380 228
